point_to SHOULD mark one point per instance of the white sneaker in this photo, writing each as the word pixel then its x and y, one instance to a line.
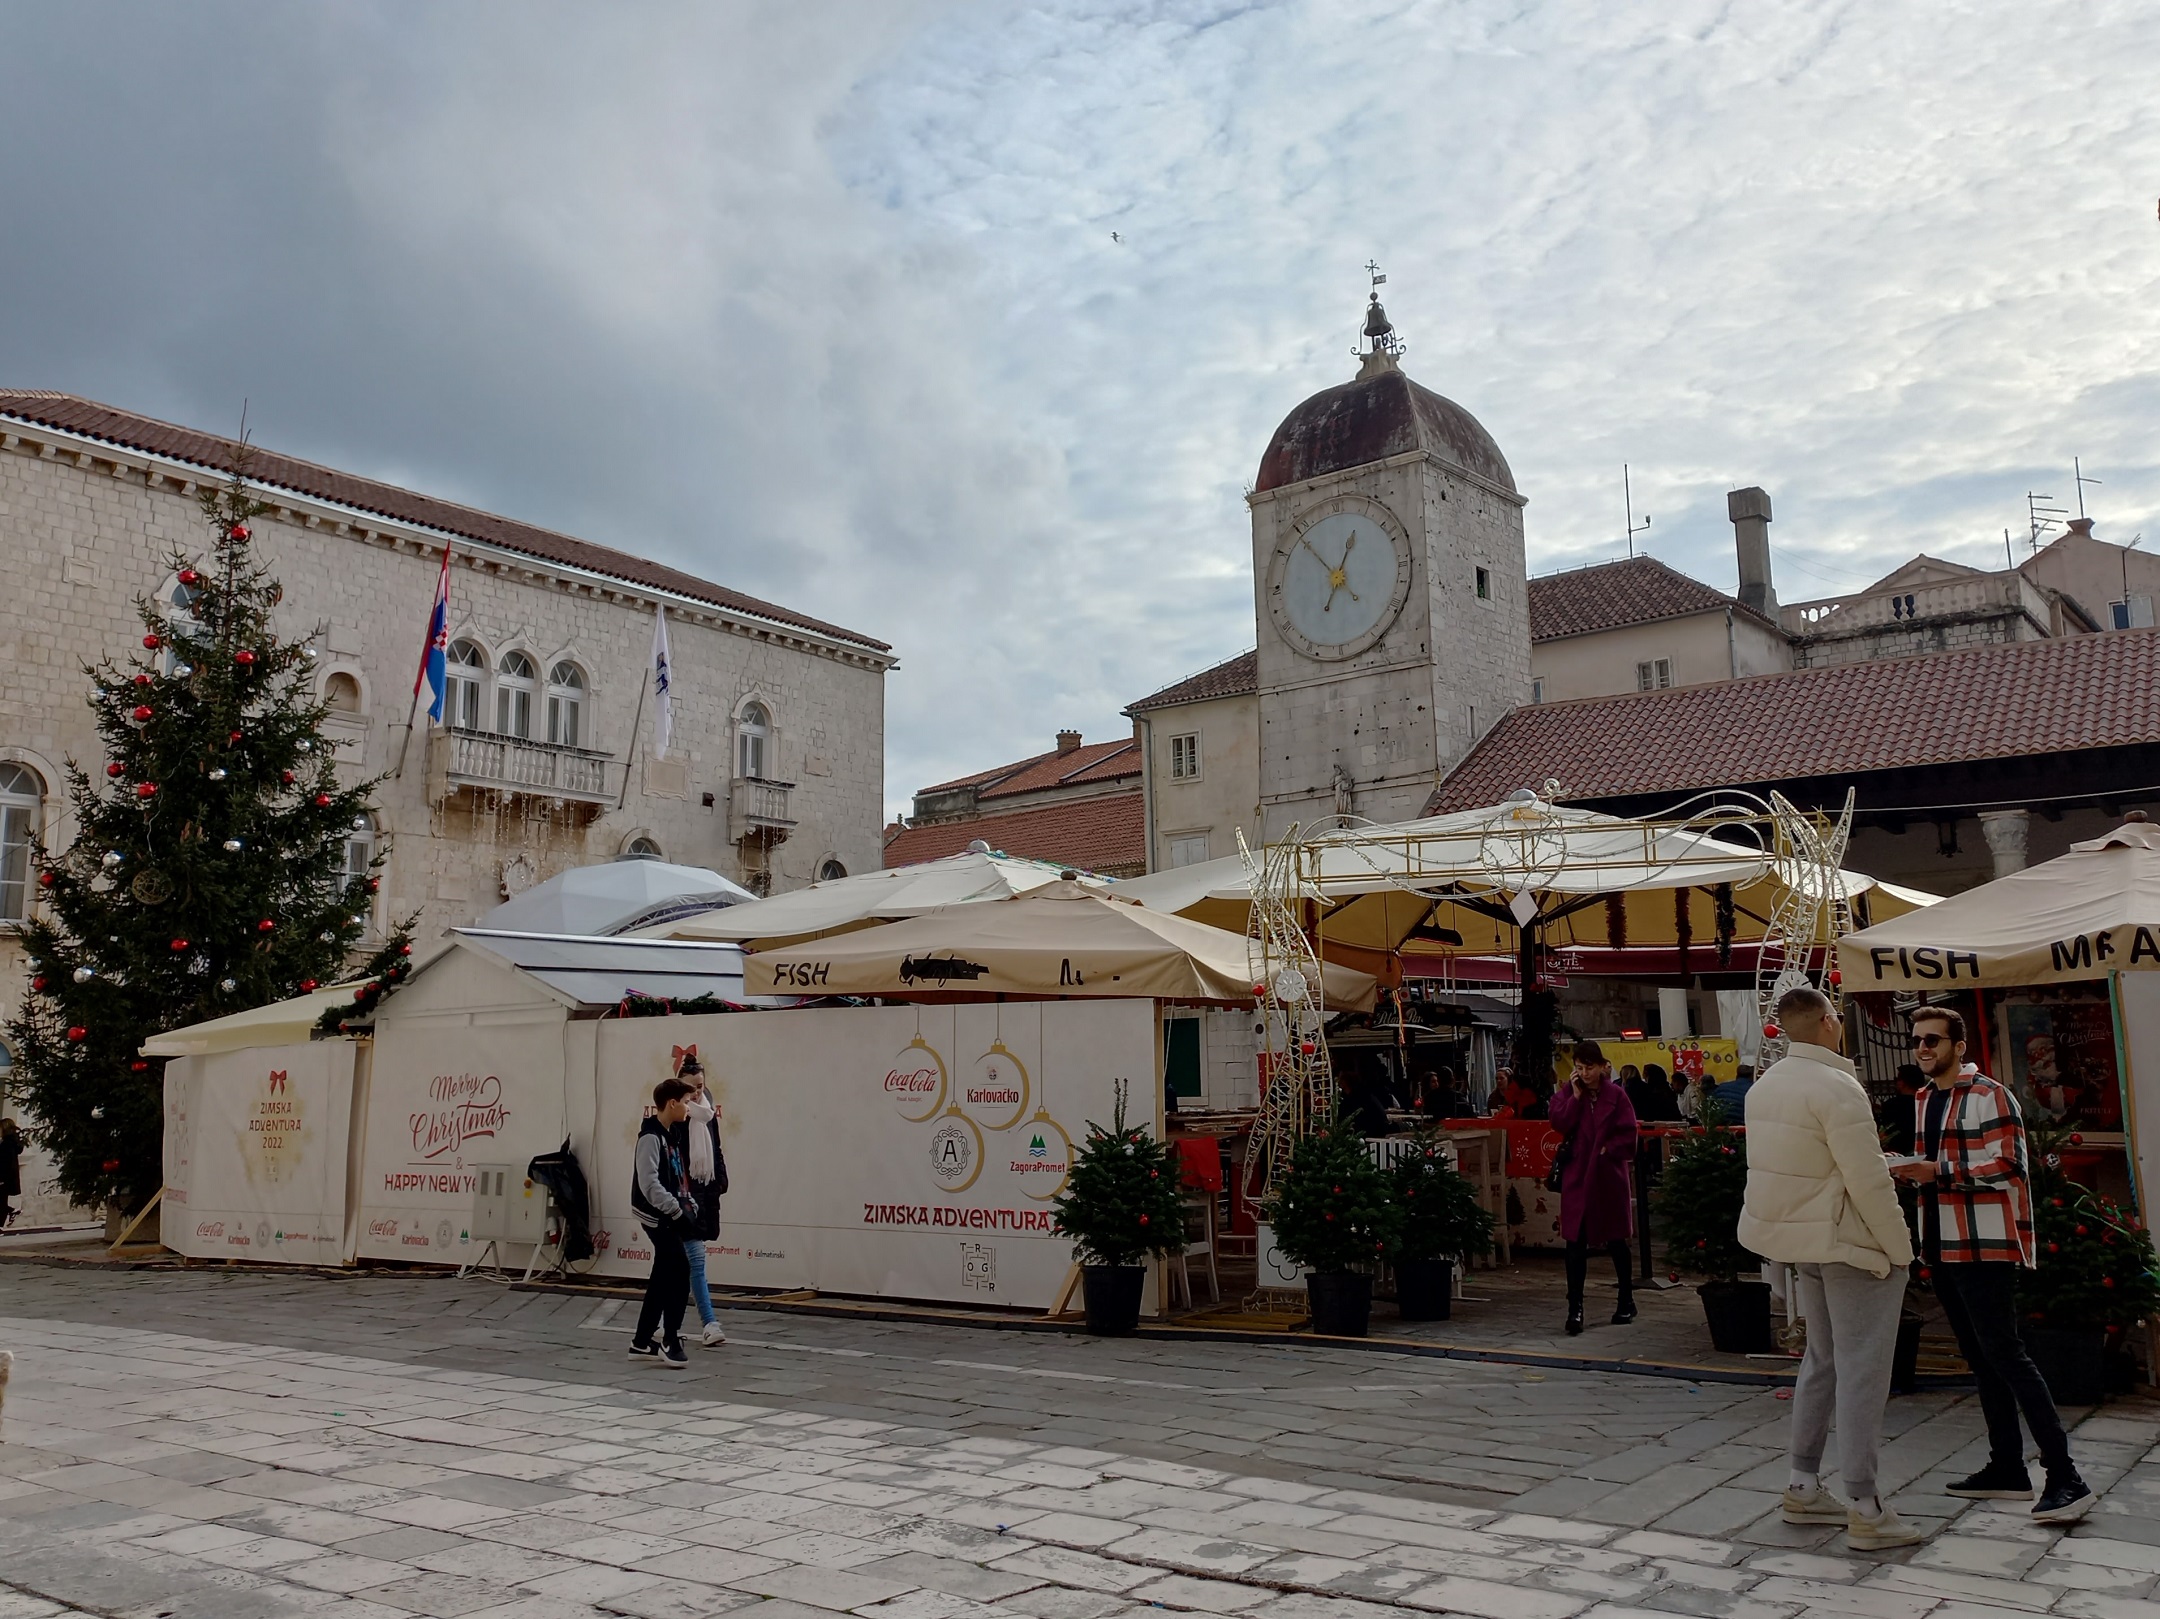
pixel 1813 1506
pixel 1881 1532
pixel 713 1335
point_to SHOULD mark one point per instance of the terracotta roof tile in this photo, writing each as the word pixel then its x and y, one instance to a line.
pixel 125 428
pixel 1634 590
pixel 1106 834
pixel 1239 677
pixel 1989 702
pixel 1091 761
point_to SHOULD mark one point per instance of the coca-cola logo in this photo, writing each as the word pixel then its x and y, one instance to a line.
pixel 920 1082
pixel 211 1229
pixel 469 1108
pixel 382 1228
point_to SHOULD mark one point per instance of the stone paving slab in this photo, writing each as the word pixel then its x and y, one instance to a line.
pixel 370 1427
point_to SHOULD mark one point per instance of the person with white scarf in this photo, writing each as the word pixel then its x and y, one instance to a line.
pixel 698 1139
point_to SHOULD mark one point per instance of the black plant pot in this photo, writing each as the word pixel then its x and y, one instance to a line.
pixel 1341 1303
pixel 1425 1289
pixel 2072 1360
pixel 1112 1294
pixel 1739 1316
pixel 1905 1359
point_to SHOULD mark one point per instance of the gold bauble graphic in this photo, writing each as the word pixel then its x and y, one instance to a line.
pixel 944 1081
pixel 998 1048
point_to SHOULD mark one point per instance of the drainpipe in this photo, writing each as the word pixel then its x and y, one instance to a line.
pixel 1146 728
pixel 1732 652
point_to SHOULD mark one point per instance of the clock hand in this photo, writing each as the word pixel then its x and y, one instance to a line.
pixel 1316 556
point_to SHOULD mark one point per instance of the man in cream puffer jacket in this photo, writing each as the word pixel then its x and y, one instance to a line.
pixel 1820 1197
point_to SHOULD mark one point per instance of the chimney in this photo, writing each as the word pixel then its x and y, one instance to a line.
pixel 1068 741
pixel 1749 510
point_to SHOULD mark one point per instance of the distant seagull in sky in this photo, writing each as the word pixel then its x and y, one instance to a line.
pixel 1115 237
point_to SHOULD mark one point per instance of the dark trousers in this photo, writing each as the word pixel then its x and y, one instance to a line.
pixel 1578 1268
pixel 667 1290
pixel 1980 1301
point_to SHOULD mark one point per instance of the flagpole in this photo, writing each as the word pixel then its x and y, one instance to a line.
pixel 630 755
pixel 442 599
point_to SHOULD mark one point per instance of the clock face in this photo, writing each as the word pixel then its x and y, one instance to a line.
pixel 1339 579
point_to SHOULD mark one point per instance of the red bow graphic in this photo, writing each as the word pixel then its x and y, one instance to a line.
pixel 277 1080
pixel 681 1052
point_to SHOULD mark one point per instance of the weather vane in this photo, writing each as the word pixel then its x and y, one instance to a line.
pixel 1379 330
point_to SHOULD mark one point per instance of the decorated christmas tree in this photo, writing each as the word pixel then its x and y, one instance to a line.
pixel 208 870
pixel 1441 1216
pixel 1335 1211
pixel 1122 1203
pixel 2095 1265
pixel 1700 1197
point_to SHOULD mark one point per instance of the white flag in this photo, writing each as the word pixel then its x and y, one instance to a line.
pixel 664 714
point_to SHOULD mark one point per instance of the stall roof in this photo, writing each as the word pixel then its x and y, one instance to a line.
pixel 281 1023
pixel 631 895
pixel 591 972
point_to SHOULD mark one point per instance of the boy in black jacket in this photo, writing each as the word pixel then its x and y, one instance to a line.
pixel 660 1193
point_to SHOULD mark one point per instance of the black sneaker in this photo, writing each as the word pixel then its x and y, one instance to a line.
pixel 1626 1313
pixel 1998 1481
pixel 2066 1498
pixel 644 1351
pixel 1574 1320
pixel 673 1358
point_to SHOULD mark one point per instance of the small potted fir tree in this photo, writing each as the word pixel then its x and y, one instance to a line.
pixel 1337 1218
pixel 1442 1223
pixel 1699 1204
pixel 2094 1277
pixel 1121 1206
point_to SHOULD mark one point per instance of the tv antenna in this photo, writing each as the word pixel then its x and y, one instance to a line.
pixel 1627 498
pixel 2041 517
pixel 2078 472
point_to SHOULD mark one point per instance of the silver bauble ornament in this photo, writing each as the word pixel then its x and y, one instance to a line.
pixel 83 975
pixel 234 845
pixel 228 985
pixel 218 774
pixel 113 857
pixel 304 745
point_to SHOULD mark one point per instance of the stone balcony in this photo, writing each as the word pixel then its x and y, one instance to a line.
pixel 758 810
pixel 482 761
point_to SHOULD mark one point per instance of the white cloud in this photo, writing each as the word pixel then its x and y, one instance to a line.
pixel 823 301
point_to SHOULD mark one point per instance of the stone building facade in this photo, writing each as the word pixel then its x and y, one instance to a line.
pixel 775 769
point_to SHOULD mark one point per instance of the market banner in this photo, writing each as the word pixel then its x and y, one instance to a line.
pixel 900 1152
pixel 445 1095
pixel 255 1154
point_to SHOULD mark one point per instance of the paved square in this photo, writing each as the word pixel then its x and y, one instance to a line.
pixel 189 1443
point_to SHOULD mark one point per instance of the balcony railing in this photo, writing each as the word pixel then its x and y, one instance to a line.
pixel 759 809
pixel 482 759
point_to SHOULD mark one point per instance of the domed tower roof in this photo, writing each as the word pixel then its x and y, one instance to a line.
pixel 1382 414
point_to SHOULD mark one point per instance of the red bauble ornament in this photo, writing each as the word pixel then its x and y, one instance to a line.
pixel 234 737
pixel 179 944
pixel 306 985
pixel 1769 1031
pixel 151 643
pixel 404 949
pixel 188 576
pixel 286 776
pixel 322 800
pixel 46 879
pixel 2076 1140
pixel 137 1066
pixel 265 925
pixel 374 885
pixel 112 1166
pixel 146 789
pixel 78 1033
pixel 115 770
pixel 1306 1047
pixel 142 680
pixel 1836 978
pixel 2081 1231
pixel 243 657
pixel 144 711
pixel 2107 1281
pixel 37 984
pixel 239 531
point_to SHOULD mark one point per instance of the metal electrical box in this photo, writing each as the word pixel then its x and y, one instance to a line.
pixel 508 1206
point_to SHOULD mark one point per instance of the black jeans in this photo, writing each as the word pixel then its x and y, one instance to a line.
pixel 1980 1301
pixel 1578 1269
pixel 667 1290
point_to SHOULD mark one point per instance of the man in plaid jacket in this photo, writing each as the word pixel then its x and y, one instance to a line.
pixel 1976 1230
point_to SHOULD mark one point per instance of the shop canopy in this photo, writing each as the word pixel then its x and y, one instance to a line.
pixel 1062 940
pixel 622 896
pixel 281 1023
pixel 2091 912
pixel 1468 881
pixel 846 903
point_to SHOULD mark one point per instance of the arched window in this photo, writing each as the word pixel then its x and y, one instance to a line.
pixel 642 848
pixel 566 704
pixel 342 693
pixel 466 670
pixel 515 679
pixel 830 871
pixel 22 795
pixel 753 738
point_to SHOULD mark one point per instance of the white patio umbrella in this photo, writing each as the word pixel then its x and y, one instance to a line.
pixel 847 903
pixel 621 896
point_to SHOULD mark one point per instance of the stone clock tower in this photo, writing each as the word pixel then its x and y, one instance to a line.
pixel 1393 604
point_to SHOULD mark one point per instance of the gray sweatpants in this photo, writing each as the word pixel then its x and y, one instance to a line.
pixel 1852 1322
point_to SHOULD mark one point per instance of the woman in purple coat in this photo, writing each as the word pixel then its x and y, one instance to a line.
pixel 1596 1208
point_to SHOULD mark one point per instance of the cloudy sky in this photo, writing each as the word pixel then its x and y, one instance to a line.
pixel 822 300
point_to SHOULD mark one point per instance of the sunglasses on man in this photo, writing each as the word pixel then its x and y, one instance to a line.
pixel 1928 1042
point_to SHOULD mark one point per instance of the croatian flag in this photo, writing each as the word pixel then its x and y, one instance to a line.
pixel 438 645
pixel 664 708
